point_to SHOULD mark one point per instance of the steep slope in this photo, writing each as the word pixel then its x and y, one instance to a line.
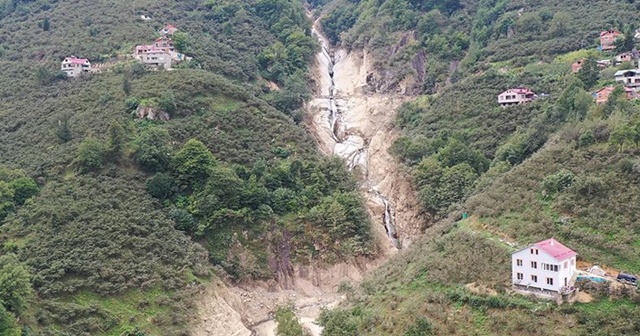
pixel 134 215
pixel 550 168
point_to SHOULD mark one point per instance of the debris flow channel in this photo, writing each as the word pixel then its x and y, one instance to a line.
pixel 349 143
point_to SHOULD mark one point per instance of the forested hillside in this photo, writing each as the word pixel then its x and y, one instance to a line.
pixel 560 166
pixel 109 220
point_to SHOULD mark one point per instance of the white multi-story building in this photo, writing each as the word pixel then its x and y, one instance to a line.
pixel 74 66
pixel 547 265
pixel 516 96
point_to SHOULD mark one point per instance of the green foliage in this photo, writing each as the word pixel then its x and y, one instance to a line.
pixel 180 42
pixel 152 149
pixel 193 163
pixel 132 103
pixel 23 189
pixel 64 131
pixel 288 324
pixel 6 199
pixel 337 322
pixel 589 72
pixel 558 181
pixel 422 327
pixel 161 185
pixel 15 287
pixel 90 155
pixel 441 186
pixel 8 325
pixel 117 140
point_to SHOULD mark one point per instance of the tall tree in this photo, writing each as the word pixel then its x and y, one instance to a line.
pixel 194 163
pixel 589 73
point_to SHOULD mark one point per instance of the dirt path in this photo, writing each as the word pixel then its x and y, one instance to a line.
pixel 347 121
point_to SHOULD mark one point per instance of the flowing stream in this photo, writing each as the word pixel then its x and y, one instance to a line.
pixel 349 142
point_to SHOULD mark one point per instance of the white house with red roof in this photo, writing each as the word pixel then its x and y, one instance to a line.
pixel 547 265
pixel 74 66
pixel 516 96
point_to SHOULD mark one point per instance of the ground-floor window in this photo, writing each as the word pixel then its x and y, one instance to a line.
pixel 550 281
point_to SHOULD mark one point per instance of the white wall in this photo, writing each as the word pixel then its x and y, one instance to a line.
pixel 542 274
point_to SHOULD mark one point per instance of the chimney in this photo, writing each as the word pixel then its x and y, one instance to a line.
pixel 551 242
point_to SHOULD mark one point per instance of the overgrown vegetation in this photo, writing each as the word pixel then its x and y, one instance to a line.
pixel 128 215
pixel 560 166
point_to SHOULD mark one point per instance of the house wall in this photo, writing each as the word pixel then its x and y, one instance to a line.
pixel 527 271
pixel 157 59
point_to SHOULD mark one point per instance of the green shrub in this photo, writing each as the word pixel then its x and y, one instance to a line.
pixel 161 185
pixel 24 188
pixel 558 181
pixel 89 156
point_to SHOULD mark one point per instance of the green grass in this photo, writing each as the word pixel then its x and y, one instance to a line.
pixel 132 309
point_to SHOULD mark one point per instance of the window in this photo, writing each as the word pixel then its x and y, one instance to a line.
pixel 566 264
pixel 531 251
pixel 534 278
pixel 534 264
pixel 571 262
pixel 536 251
pixel 555 268
pixel 550 281
pixel 520 276
pixel 519 262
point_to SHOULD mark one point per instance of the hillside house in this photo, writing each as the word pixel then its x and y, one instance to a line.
pixel 168 30
pixel 624 57
pixel 577 65
pixel 629 78
pixel 608 39
pixel 149 55
pixel 75 67
pixel 546 266
pixel 164 43
pixel 516 96
pixel 603 94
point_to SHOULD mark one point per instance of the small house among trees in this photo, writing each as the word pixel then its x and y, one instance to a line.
pixel 603 94
pixel 516 96
pixel 608 39
pixel 577 65
pixel 168 30
pixel 75 67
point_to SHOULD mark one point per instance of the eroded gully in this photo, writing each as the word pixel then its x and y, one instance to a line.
pixel 357 125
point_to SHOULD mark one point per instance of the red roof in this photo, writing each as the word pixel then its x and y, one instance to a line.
pixel 610 32
pixel 75 60
pixel 555 249
pixel 520 91
pixel 162 39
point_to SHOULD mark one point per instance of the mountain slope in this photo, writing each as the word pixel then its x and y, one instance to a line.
pixel 560 166
pixel 133 215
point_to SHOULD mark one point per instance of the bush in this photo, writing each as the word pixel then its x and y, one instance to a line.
pixel 161 185
pixel 89 156
pixel 558 181
pixel 24 188
pixel 132 103
pixel 586 139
